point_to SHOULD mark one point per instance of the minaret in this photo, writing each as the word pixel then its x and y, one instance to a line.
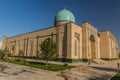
pixel 4 42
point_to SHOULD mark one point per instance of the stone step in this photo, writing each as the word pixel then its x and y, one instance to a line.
pixel 98 61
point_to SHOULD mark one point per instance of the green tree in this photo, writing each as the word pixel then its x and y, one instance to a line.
pixel 38 55
pixel 6 53
pixel 1 54
pixel 48 50
pixel 21 55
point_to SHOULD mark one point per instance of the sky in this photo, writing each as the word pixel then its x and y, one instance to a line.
pixel 22 16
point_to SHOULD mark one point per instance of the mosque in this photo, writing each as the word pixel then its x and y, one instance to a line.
pixel 74 43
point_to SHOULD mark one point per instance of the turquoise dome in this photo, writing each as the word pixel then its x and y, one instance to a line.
pixel 64 15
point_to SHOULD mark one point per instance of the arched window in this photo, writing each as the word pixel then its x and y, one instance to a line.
pixel 76 44
pixel 75 47
pixel 31 48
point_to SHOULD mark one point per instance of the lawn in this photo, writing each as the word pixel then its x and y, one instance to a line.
pixel 116 77
pixel 51 67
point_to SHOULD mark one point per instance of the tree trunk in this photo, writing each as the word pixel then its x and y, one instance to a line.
pixel 46 62
pixel 6 57
pixel 36 59
pixel 23 59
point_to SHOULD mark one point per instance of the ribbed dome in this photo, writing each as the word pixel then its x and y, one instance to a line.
pixel 64 15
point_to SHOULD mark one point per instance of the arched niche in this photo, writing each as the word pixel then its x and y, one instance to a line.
pixel 92 47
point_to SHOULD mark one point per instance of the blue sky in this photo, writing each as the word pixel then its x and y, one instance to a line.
pixel 21 16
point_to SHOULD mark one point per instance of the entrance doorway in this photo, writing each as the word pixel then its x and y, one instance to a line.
pixel 92 45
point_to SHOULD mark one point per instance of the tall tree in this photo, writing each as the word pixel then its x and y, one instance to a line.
pixel 6 53
pixel 1 54
pixel 21 55
pixel 48 49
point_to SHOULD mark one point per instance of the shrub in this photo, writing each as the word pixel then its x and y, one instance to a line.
pixel 65 64
pixel 1 54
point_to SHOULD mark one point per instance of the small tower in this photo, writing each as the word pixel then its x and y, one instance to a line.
pixel 4 42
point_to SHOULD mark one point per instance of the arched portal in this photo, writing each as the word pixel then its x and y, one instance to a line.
pixel 92 45
pixel 76 46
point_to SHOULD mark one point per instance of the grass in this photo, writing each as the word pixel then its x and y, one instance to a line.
pixel 51 67
pixel 116 77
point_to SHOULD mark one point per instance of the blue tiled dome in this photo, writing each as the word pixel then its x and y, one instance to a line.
pixel 64 15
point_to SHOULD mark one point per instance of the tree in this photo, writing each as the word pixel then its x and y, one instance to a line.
pixel 1 54
pixel 38 55
pixel 48 50
pixel 21 54
pixel 6 53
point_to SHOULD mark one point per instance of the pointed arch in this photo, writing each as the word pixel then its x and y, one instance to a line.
pixel 92 47
pixel 76 46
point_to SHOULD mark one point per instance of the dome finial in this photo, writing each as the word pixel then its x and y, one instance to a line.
pixel 65 7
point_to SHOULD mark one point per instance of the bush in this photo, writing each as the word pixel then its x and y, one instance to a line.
pixel 65 64
pixel 17 60
pixel 1 54
pixel 9 54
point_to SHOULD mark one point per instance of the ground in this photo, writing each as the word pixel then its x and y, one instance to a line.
pixel 17 72
pixel 103 71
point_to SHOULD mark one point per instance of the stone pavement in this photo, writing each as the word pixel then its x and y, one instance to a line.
pixel 10 71
pixel 83 71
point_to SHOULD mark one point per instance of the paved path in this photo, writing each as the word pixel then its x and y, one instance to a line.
pixel 83 71
pixel 17 72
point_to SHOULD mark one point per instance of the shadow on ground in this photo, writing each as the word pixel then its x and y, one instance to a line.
pixel 106 69
pixel 105 77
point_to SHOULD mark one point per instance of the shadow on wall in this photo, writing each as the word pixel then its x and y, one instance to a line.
pixel 64 43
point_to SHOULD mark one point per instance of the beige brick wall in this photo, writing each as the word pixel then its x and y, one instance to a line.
pixel 76 30
pixel 64 35
pixel 88 31
pixel 30 41
pixel 108 48
pixel 103 44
